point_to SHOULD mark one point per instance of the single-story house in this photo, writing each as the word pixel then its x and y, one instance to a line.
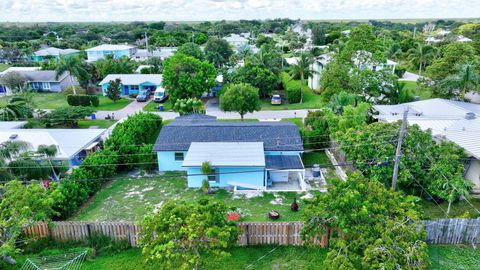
pixel 117 51
pixel 132 84
pixel 73 145
pixel 43 80
pixel 237 40
pixel 53 53
pixel 455 121
pixel 162 53
pixel 243 155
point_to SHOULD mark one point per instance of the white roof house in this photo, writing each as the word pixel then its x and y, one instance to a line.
pixel 455 121
pixel 111 47
pixel 134 79
pixel 52 51
pixel 19 69
pixel 69 142
pixel 225 154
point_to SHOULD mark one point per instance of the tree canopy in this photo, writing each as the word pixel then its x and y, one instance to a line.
pixel 241 98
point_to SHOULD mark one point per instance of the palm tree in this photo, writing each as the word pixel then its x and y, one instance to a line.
pixel 422 55
pixel 15 108
pixel 303 69
pixel 394 51
pixel 10 150
pixel 74 66
pixel 48 152
pixel 466 79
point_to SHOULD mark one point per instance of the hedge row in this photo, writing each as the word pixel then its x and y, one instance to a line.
pixel 129 146
pixel 293 90
pixel 83 100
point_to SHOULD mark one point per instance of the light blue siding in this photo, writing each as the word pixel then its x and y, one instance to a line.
pixel 247 175
pixel 167 162
pixel 96 55
pixel 132 89
pixel 279 153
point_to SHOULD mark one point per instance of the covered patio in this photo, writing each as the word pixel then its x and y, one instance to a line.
pixel 285 173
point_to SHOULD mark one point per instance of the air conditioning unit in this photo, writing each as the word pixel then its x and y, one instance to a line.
pixel 470 116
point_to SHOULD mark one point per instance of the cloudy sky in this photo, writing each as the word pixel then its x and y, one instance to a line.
pixel 192 10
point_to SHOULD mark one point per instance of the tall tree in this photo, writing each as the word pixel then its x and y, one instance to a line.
pixel 303 69
pixel 114 89
pixel 467 78
pixel 241 98
pixel 13 80
pixel 218 51
pixel 422 55
pixel 192 49
pixel 74 66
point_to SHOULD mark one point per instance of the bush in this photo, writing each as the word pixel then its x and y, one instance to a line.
pixel 293 90
pixel 78 89
pixel 83 100
pixel 400 71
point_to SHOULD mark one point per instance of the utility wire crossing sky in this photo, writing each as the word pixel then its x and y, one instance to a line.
pixel 197 10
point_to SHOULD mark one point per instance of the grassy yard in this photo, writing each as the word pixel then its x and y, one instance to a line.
pixel 34 123
pixel 3 67
pixel 130 198
pixel 317 157
pixel 53 101
pixel 417 92
pixel 260 258
pixel 296 121
pixel 310 101
pixel 432 210
pixel 151 106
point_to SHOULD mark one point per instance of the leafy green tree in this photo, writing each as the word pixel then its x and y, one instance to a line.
pixel 189 106
pixel 109 65
pixel 185 77
pixel 241 98
pixel 13 80
pixel 257 76
pixel 303 69
pixel 422 55
pixel 399 93
pixel 180 232
pixel 373 86
pixel 467 78
pixel 451 56
pixel 394 51
pixel 218 51
pixel 68 116
pixel 74 66
pixel 114 89
pixel 340 100
pixel 319 35
pixel 192 49
pixel 268 57
pixel 335 79
pixel 377 228
pixel 21 206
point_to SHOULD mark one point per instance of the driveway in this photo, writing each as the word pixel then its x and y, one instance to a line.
pixel 131 108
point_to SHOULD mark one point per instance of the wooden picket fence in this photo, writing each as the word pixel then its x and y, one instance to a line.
pixel 439 231
pixel 251 233
pixel 453 231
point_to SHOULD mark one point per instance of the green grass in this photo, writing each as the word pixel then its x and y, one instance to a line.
pixel 259 257
pixel 3 67
pixel 98 123
pixel 432 210
pixel 108 105
pixel 129 199
pixel 317 157
pixel 296 121
pixel 167 105
pixel 454 257
pixel 416 91
pixel 310 101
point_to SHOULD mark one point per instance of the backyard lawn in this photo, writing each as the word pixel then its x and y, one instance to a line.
pixel 130 198
pixel 417 92
pixel 296 121
pixel 35 123
pixel 432 210
pixel 310 101
pixel 53 101
pixel 151 106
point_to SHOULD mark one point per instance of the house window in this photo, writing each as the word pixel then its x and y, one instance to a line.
pixel 46 85
pixel 178 156
pixel 134 87
pixel 213 178
pixel 35 85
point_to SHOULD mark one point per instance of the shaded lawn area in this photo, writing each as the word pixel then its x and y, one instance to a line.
pixel 316 157
pixel 417 92
pixel 296 121
pixel 107 104
pixel 130 198
pixel 454 257
pixel 150 107
pixel 259 257
pixel 3 67
pixel 432 210
pixel 310 101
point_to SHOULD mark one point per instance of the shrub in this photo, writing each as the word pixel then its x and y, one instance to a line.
pixel 94 100
pixel 83 100
pixel 293 90
pixel 400 70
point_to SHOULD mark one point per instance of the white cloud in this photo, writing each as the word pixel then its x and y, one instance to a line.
pixel 174 10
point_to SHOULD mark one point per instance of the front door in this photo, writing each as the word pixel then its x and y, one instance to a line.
pixel 125 90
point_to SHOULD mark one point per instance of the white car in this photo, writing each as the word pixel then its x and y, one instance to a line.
pixel 276 100
pixel 160 95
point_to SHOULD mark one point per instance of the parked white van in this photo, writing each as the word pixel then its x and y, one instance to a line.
pixel 160 95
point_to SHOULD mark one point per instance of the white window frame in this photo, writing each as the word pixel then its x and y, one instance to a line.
pixel 177 155
pixel 46 86
pixel 135 87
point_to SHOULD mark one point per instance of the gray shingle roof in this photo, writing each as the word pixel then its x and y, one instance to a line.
pixel 276 136
pixel 43 76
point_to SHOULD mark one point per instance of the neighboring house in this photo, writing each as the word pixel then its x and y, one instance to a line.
pixel 42 80
pixel 73 145
pixel 318 66
pixel 53 53
pixel 4 90
pixel 162 53
pixel 243 155
pixel 104 50
pixel 455 121
pixel 236 40
pixel 132 84
pixel 12 124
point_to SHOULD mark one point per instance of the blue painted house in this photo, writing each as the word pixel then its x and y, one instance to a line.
pixel 116 51
pixel 132 84
pixel 53 53
pixel 243 155
pixel 43 80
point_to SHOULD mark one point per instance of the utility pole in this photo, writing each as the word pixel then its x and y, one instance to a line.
pixel 398 153
pixel 414 31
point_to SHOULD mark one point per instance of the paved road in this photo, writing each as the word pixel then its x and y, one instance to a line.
pixel 211 110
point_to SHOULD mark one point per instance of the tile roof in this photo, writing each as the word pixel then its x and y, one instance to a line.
pixel 276 136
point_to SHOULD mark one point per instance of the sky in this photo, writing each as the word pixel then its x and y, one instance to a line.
pixel 198 10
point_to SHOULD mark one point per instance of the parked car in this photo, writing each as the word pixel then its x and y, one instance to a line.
pixel 160 95
pixel 143 96
pixel 276 100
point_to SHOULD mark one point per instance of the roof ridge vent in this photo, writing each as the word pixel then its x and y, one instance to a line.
pixel 470 116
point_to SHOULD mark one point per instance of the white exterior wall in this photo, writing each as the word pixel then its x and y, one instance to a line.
pixel 473 173
pixel 314 81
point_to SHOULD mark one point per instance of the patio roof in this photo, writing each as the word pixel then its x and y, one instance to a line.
pixel 283 162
